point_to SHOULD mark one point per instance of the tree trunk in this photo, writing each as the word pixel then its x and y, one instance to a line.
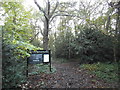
pixel 108 23
pixel 45 34
pixel 69 52
pixel 114 50
pixel 116 35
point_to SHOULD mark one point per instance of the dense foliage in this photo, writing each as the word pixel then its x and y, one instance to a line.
pixel 16 34
pixel 89 39
pixel 64 40
pixel 64 48
pixel 90 45
pixel 93 45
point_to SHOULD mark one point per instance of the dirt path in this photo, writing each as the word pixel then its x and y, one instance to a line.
pixel 68 75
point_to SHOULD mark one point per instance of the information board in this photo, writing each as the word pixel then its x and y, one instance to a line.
pixel 39 56
pixel 36 58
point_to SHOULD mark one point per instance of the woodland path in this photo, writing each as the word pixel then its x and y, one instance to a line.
pixel 68 75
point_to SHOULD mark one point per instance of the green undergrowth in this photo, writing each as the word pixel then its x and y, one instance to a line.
pixel 105 71
pixel 41 68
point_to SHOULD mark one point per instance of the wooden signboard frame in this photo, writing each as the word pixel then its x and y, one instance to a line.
pixel 44 53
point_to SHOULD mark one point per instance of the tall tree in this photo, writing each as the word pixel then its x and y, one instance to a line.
pixel 116 8
pixel 50 12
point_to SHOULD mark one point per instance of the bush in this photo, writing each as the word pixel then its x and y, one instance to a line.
pixel 105 71
pixel 93 45
pixel 41 68
pixel 14 62
pixel 13 68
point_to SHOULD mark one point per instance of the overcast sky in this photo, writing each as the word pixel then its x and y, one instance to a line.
pixel 41 2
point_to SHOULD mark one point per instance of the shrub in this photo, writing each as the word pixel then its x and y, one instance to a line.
pixel 14 62
pixel 93 46
pixel 105 71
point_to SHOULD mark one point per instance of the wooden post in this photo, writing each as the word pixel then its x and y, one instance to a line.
pixel 50 60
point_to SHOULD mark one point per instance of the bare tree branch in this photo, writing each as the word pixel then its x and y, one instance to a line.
pixel 40 30
pixel 34 37
pixel 41 9
pixel 48 8
pixel 95 8
pixel 64 15
pixel 51 14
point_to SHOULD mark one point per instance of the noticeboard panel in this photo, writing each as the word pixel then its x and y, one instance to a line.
pixel 36 58
pixel 46 58
pixel 39 56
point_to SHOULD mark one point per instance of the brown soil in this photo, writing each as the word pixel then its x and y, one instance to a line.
pixel 68 75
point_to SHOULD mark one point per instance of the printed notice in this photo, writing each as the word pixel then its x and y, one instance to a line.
pixel 46 57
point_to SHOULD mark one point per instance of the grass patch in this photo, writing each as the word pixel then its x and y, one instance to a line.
pixel 105 71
